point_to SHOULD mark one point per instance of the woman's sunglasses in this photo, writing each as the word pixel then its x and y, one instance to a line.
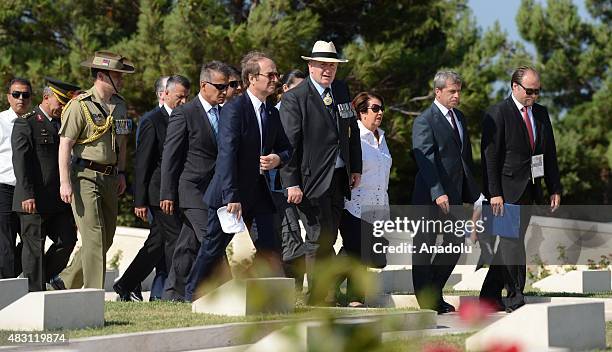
pixel 375 108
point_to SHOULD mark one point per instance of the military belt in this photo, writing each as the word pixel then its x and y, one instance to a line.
pixel 101 168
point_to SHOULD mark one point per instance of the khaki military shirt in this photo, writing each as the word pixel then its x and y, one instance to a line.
pixel 76 126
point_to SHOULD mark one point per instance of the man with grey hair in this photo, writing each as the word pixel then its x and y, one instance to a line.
pixel 35 144
pixel 443 153
pixel 160 89
pixel 188 164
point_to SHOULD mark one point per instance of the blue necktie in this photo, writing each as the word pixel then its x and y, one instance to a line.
pixel 213 117
pixel 263 114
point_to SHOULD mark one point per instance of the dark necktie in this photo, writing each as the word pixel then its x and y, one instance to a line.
pixel 328 101
pixel 263 114
pixel 529 128
pixel 57 123
pixel 455 129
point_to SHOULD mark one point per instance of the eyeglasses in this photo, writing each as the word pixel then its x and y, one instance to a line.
pixel 376 108
pixel 530 91
pixel 234 84
pixel 270 75
pixel 23 95
pixel 219 86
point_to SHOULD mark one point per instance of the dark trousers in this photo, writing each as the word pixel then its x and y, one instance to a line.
pixel 321 219
pixel 159 245
pixel 508 268
pixel 351 233
pixel 211 259
pixel 10 263
pixel 39 267
pixel 431 271
pixel 193 230
pixel 286 223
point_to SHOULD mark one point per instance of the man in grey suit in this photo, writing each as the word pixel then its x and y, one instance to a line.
pixel 443 153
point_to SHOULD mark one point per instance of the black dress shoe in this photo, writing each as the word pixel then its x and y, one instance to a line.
pixel 57 283
pixel 512 308
pixel 449 307
pixel 125 295
pixel 137 293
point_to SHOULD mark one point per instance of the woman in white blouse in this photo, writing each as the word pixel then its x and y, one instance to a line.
pixel 371 194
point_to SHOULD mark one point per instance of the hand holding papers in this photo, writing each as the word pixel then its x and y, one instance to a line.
pixel 230 223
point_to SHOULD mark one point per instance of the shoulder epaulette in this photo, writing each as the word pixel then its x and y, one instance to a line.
pixel 83 96
pixel 28 114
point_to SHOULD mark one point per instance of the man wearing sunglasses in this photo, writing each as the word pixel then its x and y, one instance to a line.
pixel 516 132
pixel 19 96
pixel 42 213
pixel 235 84
pixel 251 142
pixel 188 164
pixel 443 153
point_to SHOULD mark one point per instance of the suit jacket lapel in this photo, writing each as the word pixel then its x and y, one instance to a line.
pixel 316 102
pixel 252 118
pixel 442 121
pixel 204 116
pixel 519 119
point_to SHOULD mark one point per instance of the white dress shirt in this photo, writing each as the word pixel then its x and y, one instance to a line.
pixel 320 90
pixel 446 112
pixel 208 107
pixel 257 105
pixel 168 110
pixel 529 113
pixel 7 119
pixel 372 190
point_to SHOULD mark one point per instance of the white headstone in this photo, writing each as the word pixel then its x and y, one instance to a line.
pixel 472 281
pixel 241 297
pixel 361 334
pixel 66 309
pixel 576 281
pixel 12 290
pixel 109 280
pixel 577 327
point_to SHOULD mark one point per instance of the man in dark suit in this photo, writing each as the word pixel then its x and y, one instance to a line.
pixel 443 153
pixel 515 131
pixel 253 142
pixel 322 128
pixel 147 179
pixel 35 144
pixel 188 164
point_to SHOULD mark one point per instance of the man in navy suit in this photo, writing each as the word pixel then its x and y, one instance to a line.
pixel 443 153
pixel 188 165
pixel 252 141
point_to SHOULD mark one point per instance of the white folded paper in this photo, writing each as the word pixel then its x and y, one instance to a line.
pixel 229 222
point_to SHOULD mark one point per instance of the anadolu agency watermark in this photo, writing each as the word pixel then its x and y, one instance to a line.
pixel 405 235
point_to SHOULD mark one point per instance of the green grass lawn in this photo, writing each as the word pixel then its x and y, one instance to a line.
pixel 126 317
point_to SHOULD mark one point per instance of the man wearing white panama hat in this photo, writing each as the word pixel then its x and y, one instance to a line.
pixel 322 128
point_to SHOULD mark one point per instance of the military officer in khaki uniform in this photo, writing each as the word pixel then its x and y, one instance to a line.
pixel 94 128
pixel 35 144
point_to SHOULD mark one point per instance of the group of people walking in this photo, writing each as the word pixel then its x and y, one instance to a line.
pixel 274 153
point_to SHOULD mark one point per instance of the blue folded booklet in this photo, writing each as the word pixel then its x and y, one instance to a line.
pixel 507 225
